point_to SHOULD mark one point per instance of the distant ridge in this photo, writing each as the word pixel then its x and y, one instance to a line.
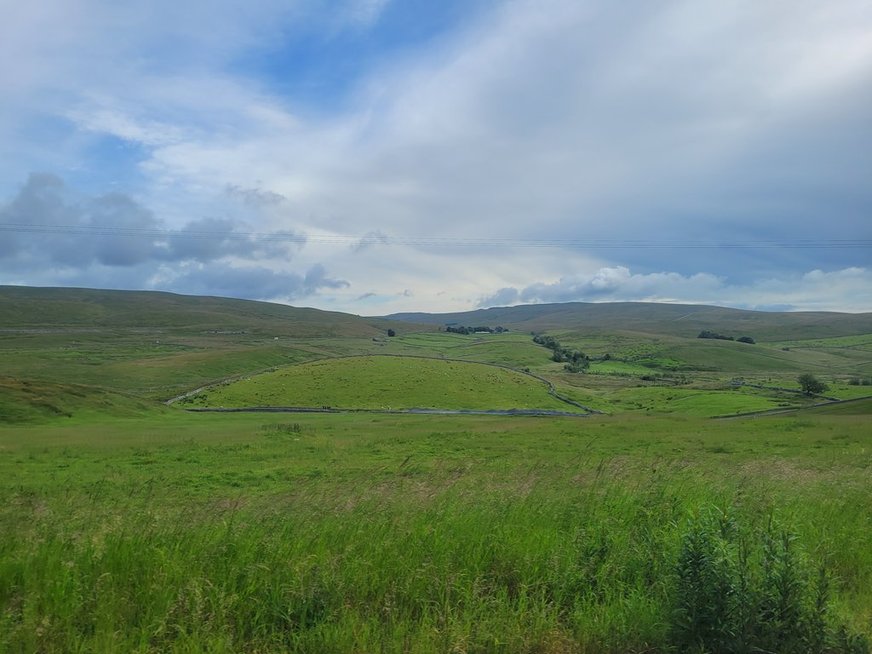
pixel 43 308
pixel 656 318
pixel 32 308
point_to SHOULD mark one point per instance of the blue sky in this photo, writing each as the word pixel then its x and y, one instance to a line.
pixel 374 156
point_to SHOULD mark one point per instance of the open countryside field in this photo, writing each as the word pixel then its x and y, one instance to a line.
pixel 385 382
pixel 180 532
pixel 128 525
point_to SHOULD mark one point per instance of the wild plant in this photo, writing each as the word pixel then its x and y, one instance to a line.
pixel 740 591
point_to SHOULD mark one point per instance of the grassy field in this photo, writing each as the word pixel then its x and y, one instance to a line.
pixel 130 526
pixel 385 382
pixel 236 533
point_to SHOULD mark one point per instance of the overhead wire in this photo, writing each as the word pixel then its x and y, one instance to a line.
pixel 435 241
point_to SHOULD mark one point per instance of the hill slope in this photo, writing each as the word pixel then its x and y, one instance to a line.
pixel 23 308
pixel 23 401
pixel 672 319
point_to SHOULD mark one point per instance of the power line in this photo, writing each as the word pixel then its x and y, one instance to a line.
pixel 434 241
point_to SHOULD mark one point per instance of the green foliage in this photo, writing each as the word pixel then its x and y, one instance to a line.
pixel 481 329
pixel 576 361
pixel 811 385
pixel 707 333
pixel 741 590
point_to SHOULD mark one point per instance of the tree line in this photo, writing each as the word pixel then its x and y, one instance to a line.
pixel 706 333
pixel 461 329
pixel 574 360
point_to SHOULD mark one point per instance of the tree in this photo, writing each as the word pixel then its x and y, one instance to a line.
pixel 391 332
pixel 810 384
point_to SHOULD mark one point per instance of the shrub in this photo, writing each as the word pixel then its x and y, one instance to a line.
pixel 737 590
pixel 706 333
pixel 810 384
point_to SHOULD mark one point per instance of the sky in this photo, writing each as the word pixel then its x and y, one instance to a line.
pixel 377 156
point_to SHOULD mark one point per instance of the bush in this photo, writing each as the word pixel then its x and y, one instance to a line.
pixel 810 384
pixel 705 333
pixel 738 590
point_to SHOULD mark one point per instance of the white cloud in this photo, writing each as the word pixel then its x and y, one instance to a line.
pixel 849 289
pixel 729 122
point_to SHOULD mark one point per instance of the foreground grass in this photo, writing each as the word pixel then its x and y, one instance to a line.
pixel 331 533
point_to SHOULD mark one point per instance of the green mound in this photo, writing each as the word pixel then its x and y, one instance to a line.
pixel 386 382
pixel 23 401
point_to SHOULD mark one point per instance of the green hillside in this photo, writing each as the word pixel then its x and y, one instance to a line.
pixel 656 318
pixel 28 402
pixel 159 345
pixel 28 308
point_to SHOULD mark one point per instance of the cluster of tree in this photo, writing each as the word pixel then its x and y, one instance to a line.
pixel 575 361
pixel 706 333
pixel 811 385
pixel 860 381
pixel 460 329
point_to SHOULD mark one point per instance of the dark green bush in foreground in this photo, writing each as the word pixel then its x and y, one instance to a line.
pixel 739 591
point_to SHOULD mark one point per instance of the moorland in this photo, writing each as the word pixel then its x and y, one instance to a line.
pixel 551 478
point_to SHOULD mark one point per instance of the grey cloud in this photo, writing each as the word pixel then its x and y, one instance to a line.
pixel 503 297
pixel 618 283
pixel 208 239
pixel 118 211
pixel 57 228
pixel 847 289
pixel 256 197
pixel 316 278
pixel 369 240
pixel 252 282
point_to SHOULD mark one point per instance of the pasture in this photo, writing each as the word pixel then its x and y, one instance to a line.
pixel 228 533
pixel 130 525
pixel 386 382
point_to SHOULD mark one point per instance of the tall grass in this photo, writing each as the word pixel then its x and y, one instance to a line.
pixel 520 564
pixel 412 534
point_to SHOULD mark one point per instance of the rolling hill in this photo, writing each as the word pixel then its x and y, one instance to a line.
pixel 655 318
pixel 29 308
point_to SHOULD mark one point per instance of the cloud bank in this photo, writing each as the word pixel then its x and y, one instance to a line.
pixel 51 235
pixel 846 290
pixel 469 152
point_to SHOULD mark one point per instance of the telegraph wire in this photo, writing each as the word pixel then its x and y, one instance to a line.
pixel 433 241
